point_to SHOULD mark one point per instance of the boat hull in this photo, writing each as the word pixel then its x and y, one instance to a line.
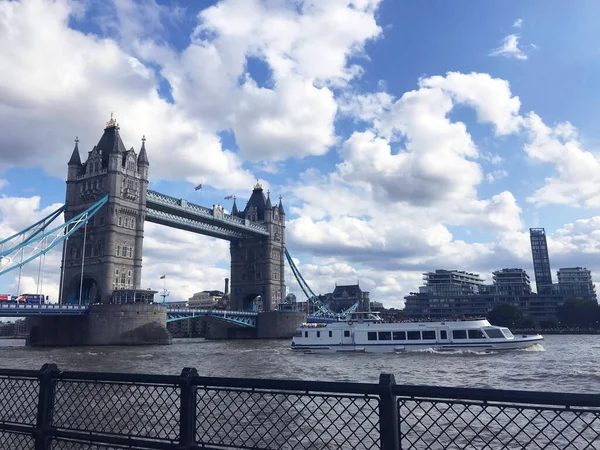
pixel 485 346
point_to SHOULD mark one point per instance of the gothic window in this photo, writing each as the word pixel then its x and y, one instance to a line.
pixel 95 167
pixel 129 278
pixel 130 251
pixel 123 278
pixel 120 221
pixel 118 250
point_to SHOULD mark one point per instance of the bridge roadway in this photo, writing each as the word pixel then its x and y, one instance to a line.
pixel 240 318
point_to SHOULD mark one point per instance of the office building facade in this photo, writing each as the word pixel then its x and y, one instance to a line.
pixel 541 260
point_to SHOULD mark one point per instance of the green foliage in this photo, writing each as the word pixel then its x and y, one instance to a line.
pixel 575 312
pixel 505 315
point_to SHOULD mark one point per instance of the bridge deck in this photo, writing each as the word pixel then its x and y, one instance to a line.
pixel 179 213
pixel 16 310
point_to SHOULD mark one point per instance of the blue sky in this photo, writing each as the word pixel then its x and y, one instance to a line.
pixel 403 136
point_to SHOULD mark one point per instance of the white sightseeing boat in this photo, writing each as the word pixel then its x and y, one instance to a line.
pixel 365 332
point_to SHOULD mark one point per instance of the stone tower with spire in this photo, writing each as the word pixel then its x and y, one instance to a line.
pixel 258 264
pixel 112 257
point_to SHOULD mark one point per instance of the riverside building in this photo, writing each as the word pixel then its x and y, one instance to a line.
pixel 468 296
pixel 576 283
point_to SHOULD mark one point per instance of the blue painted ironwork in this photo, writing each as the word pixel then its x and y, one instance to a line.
pixel 172 211
pixel 16 310
pixel 51 238
pixel 187 224
pixel 35 229
pixel 241 318
pixel 322 309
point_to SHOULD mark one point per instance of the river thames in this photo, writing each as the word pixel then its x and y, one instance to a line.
pixel 566 363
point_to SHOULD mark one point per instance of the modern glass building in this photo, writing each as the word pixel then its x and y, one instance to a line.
pixel 576 283
pixel 541 260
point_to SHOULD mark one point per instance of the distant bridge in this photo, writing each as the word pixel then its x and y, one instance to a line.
pixel 239 318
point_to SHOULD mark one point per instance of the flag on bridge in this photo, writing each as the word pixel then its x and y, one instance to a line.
pixel 163 277
pixel 198 187
pixel 229 197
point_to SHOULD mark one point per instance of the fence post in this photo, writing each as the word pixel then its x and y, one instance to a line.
pixel 388 413
pixel 45 405
pixel 187 408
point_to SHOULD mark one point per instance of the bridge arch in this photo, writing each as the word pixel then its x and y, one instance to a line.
pixel 90 290
pixel 253 302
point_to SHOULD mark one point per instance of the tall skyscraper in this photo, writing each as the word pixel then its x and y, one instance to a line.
pixel 541 260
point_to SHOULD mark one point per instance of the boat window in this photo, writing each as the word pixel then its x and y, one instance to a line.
pixel 494 333
pixel 385 335
pixel 399 335
pixel 372 335
pixel 299 334
pixel 306 334
pixel 346 333
pixel 443 334
pixel 318 334
pixel 414 335
pixel 507 333
pixel 459 334
pixel 330 333
pixel 476 334
pixel 430 334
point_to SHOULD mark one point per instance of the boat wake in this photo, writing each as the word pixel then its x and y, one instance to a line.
pixel 534 348
pixel 452 352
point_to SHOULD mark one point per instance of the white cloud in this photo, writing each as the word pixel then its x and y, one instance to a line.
pixel 3 183
pixel 43 106
pixel 496 175
pixel 305 48
pixel 577 181
pixel 491 98
pixel 415 153
pixel 365 107
pixel 518 23
pixel 510 48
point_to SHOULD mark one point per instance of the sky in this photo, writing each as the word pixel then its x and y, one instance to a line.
pixel 402 136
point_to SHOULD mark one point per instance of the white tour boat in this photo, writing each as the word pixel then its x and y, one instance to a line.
pixel 365 332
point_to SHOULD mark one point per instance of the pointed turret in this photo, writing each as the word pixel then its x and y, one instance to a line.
pixel 143 156
pixel 75 158
pixel 281 211
pixel 268 205
pixel 256 206
pixel 234 210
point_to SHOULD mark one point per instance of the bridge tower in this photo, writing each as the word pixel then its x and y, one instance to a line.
pixel 112 257
pixel 258 263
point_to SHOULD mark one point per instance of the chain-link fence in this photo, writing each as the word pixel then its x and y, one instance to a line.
pixel 50 409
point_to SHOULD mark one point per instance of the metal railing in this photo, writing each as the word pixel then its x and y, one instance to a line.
pixel 50 409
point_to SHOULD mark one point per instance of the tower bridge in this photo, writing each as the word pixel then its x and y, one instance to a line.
pixel 107 205
pixel 114 241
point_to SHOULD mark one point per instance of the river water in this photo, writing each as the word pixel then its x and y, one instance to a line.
pixel 567 363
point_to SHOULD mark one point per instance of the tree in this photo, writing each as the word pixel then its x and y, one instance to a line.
pixel 505 315
pixel 577 312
